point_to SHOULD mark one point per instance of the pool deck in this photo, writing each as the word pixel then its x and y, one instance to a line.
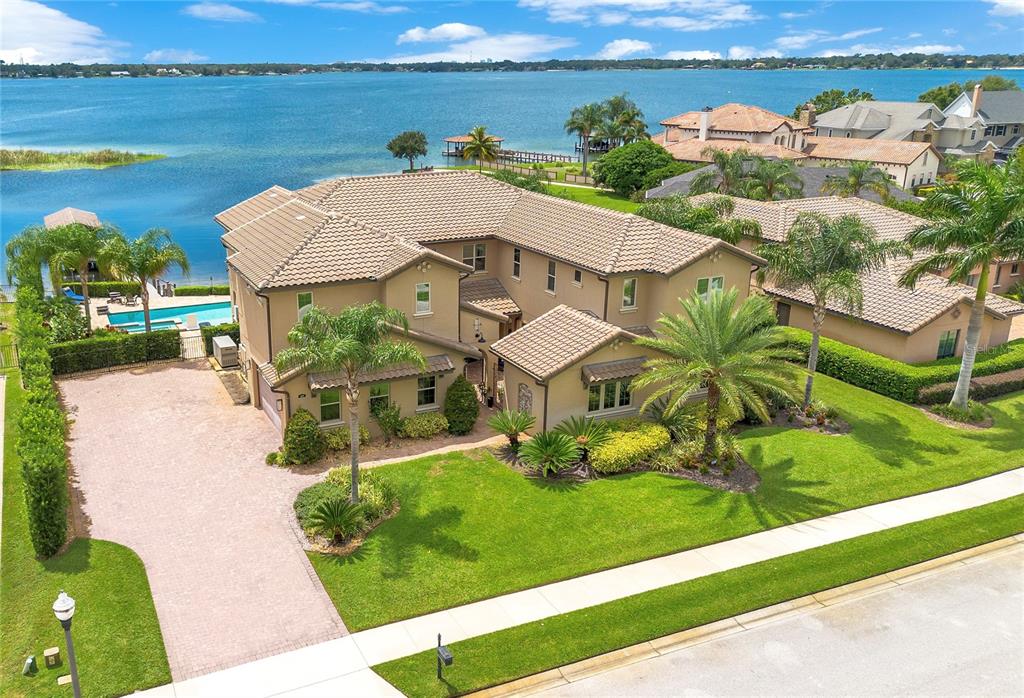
pixel 155 302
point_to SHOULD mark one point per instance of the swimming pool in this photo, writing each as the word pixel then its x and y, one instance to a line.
pixel 167 318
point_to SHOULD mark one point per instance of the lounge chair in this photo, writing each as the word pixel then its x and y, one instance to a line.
pixel 115 297
pixel 77 298
pixel 130 300
pixel 102 310
pixel 191 322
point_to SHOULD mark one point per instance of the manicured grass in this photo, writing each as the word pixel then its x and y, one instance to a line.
pixel 117 636
pixel 527 649
pixel 595 197
pixel 23 159
pixel 470 528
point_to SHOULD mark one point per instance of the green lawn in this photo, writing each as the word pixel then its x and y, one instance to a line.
pixel 25 159
pixel 486 660
pixel 471 528
pixel 595 197
pixel 117 636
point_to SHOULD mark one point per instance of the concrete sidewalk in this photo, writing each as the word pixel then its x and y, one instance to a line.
pixel 341 666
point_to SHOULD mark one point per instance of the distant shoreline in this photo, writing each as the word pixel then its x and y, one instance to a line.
pixel 13 159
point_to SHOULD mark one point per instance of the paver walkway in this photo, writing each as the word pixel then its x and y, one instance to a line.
pixel 165 464
pixel 342 667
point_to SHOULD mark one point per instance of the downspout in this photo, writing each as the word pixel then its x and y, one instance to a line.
pixel 462 275
pixel 270 352
pixel 547 389
pixel 607 288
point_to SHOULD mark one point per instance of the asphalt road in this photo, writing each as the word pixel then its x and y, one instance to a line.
pixel 956 633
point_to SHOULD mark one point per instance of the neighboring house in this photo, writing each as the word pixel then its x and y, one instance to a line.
pixel 916 325
pixel 473 263
pixel 908 164
pixel 730 127
pixel 813 177
pixel 1001 114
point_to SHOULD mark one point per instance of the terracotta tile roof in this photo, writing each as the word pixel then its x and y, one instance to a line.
pixel 253 207
pixel 555 340
pixel 738 118
pixel 614 370
pixel 692 149
pixel 68 215
pixel 490 296
pixel 867 149
pixel 440 363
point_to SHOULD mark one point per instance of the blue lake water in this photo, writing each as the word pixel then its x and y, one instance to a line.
pixel 228 138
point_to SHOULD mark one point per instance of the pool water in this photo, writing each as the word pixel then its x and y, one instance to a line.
pixel 166 318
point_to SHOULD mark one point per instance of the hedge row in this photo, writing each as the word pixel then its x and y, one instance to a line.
pixel 42 429
pixel 228 328
pixel 99 289
pixel 106 349
pixel 896 379
pixel 215 290
pixel 981 388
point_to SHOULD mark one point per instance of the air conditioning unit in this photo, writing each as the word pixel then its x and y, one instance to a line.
pixel 225 351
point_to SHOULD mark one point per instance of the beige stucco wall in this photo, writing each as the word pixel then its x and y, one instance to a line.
pixel 284 304
pixel 252 318
pixel 443 318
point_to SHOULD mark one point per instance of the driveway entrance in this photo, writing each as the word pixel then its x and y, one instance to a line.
pixel 166 464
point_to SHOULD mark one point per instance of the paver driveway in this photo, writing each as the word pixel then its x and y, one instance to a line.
pixel 168 466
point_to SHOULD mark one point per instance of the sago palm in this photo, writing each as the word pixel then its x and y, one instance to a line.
pixel 482 147
pixel 727 175
pixel 712 218
pixel 145 259
pixel 550 452
pixel 859 176
pixel 773 179
pixel 584 121
pixel 336 518
pixel 349 343
pixel 73 247
pixel 827 256
pixel 587 432
pixel 978 219
pixel 737 354
pixel 512 423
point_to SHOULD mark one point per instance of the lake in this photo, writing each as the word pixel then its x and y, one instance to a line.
pixel 231 137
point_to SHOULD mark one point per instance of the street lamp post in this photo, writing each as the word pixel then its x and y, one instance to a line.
pixel 64 609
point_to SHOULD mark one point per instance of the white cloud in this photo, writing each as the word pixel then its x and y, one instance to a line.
pixel 801 40
pixel 744 52
pixel 680 15
pixel 949 31
pixel 692 55
pixel 609 19
pixel 1006 8
pixel 915 35
pixel 619 48
pixel 449 31
pixel 794 15
pixel 364 7
pixel 174 55
pixel 35 33
pixel 221 12
pixel 895 49
pixel 500 47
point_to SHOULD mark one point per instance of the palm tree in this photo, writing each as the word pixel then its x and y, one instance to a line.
pixel 611 132
pixel 728 174
pixel 144 259
pixel 827 256
pixel 978 219
pixel 26 253
pixel 774 179
pixel 351 342
pixel 633 125
pixel 712 219
pixel 481 146
pixel 737 354
pixel 74 246
pixel 859 176
pixel 584 121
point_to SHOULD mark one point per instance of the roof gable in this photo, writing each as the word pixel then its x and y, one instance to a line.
pixel 737 118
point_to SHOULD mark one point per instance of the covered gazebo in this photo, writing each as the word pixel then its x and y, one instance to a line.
pixel 69 216
pixel 453 145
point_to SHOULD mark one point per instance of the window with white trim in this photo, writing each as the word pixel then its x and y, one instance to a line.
pixel 577 277
pixel 1014 269
pixel 517 262
pixel 426 391
pixel 475 255
pixel 304 301
pixel 330 405
pixel 708 284
pixel 423 298
pixel 551 275
pixel 380 396
pixel 629 293
pixel 947 344
pixel 615 395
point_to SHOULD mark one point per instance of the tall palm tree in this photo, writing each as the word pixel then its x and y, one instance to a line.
pixel 712 219
pixel 73 247
pixel 633 125
pixel 26 253
pixel 978 219
pixel 859 176
pixel 773 179
pixel 728 175
pixel 482 147
pixel 827 256
pixel 351 342
pixel 611 132
pixel 144 259
pixel 584 121
pixel 737 354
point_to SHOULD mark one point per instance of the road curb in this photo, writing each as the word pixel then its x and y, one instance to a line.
pixel 746 621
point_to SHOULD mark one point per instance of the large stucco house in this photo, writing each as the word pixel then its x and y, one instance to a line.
pixel 534 297
pixel 911 325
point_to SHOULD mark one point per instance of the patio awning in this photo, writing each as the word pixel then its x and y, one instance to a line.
pixel 441 363
pixel 613 370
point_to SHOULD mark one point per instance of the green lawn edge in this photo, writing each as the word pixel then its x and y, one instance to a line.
pixel 528 649
pixel 73 161
pixel 117 637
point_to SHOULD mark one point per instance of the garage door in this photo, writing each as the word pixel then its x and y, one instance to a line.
pixel 268 401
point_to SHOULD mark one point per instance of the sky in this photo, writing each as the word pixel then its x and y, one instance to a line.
pixel 324 31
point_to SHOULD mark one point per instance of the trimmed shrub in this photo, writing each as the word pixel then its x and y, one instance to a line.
pixel 975 412
pixel 461 408
pixel 981 388
pixel 303 440
pixel 376 493
pixel 628 449
pixel 340 438
pixel 227 328
pixel 215 290
pixel 624 168
pixel 389 420
pixel 98 290
pixel 424 426
pixel 67 322
pixel 106 349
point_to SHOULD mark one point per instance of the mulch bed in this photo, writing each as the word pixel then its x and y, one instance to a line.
pixel 969 426
pixel 742 479
pixel 326 546
pixel 832 427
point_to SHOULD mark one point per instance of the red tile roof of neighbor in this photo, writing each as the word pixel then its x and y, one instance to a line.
pixel 695 150
pixel 737 118
pixel 867 149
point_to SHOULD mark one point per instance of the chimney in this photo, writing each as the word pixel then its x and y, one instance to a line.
pixel 976 100
pixel 807 114
pixel 705 122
